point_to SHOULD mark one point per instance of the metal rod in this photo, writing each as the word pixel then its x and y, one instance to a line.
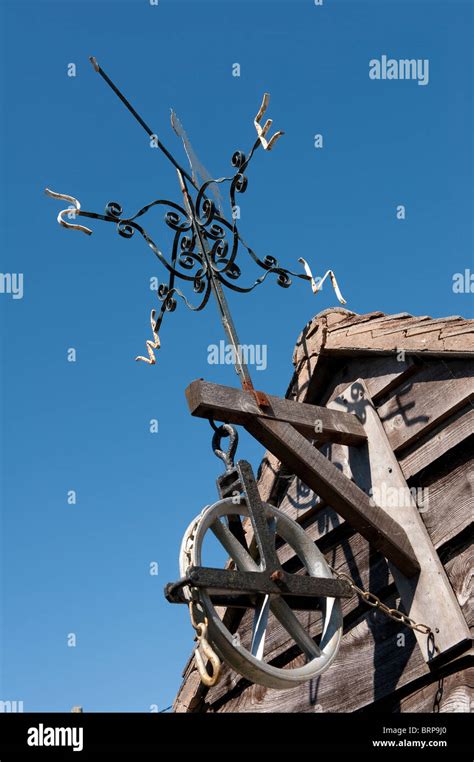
pixel 141 121
pixel 217 290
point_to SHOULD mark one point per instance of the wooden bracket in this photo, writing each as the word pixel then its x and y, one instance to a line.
pixel 225 403
pixel 427 598
pixel 274 431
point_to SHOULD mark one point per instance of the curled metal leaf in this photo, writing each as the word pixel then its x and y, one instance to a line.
pixel 70 210
pixel 317 283
pixel 262 131
pixel 151 345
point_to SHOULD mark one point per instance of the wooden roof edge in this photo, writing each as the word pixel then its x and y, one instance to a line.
pixel 312 338
pixel 339 331
pixel 382 352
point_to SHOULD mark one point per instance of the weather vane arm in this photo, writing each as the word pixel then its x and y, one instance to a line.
pixel 141 121
pixel 72 211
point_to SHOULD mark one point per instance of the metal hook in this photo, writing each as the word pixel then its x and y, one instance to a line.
pixel 209 653
pixel 220 432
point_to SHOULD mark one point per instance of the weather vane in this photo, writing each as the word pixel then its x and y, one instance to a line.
pixel 206 245
pixel 204 252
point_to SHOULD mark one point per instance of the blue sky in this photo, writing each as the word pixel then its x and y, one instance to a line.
pixel 84 426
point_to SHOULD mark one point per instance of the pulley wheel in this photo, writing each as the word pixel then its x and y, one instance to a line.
pixel 250 661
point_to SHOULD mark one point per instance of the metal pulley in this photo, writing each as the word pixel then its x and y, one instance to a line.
pixel 254 579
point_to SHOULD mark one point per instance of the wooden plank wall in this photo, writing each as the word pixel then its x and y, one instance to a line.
pixel 427 411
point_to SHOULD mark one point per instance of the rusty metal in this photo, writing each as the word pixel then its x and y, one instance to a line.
pixel 260 397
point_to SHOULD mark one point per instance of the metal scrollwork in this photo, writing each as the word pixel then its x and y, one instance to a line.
pixel 206 244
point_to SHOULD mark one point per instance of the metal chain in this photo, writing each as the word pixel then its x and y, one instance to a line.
pixel 398 616
pixel 373 600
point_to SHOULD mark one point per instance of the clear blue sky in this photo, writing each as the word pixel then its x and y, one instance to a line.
pixel 84 426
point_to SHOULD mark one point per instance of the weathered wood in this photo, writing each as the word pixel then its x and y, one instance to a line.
pixel 304 506
pixel 352 556
pixel 342 494
pixel 456 692
pixel 456 695
pixel 445 504
pixel 446 499
pixel 428 598
pixel 457 330
pixel 448 514
pixel 438 441
pixel 224 403
pixel 461 575
pixel 418 405
pixel 190 695
pixel 377 656
pixel 381 374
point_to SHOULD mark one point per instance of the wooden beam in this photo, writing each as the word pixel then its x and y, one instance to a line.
pixel 337 490
pixel 429 598
pixel 224 403
pixel 448 511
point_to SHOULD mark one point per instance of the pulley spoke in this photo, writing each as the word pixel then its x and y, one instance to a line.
pixel 293 626
pixel 278 606
pixel 259 630
pixel 234 548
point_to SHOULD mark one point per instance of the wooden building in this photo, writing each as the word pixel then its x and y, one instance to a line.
pixel 419 373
